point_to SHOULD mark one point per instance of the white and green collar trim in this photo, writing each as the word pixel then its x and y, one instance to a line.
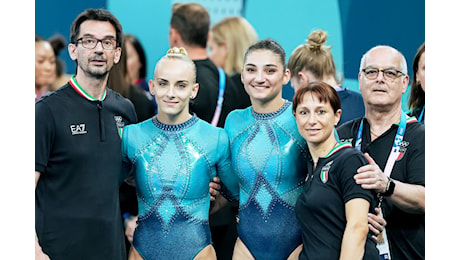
pixel 73 82
pixel 338 147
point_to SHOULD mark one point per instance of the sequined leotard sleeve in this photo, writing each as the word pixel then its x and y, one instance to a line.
pixel 269 157
pixel 173 166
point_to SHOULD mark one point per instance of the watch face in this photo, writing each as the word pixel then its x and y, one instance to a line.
pixel 391 187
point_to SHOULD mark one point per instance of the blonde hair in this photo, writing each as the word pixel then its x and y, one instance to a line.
pixel 179 54
pixel 313 56
pixel 175 51
pixel 238 34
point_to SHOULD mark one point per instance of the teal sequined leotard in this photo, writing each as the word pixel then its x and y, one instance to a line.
pixel 173 165
pixel 269 157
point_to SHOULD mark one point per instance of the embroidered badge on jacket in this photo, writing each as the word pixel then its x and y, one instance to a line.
pixel 324 175
pixel 120 124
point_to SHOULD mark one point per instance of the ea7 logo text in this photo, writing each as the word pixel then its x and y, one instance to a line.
pixel 78 129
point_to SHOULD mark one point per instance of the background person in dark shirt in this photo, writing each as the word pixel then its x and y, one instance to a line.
pixel 189 28
pixel 312 61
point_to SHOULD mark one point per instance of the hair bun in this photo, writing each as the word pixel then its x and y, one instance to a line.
pixel 174 51
pixel 316 39
pixel 58 43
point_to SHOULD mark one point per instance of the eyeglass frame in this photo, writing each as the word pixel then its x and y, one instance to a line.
pixel 399 73
pixel 97 42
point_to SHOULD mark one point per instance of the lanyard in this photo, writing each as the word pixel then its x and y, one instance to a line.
pixel 420 117
pixel 383 246
pixel 220 98
pixel 396 144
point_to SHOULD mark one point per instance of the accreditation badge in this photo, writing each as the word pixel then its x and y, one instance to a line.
pixel 120 125
pixel 382 243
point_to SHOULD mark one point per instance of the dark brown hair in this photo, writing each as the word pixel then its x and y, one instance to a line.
pixel 323 91
pixel 96 15
pixel 192 22
pixel 140 52
pixel 118 75
pixel 268 44
pixel 417 95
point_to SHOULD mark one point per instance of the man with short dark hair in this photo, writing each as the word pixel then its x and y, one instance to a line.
pixel 78 150
pixel 189 28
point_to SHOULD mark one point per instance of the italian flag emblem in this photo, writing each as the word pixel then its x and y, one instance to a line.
pixel 323 176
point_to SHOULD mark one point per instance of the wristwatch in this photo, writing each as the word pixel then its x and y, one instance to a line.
pixel 390 187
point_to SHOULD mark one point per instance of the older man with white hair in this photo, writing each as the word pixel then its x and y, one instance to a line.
pixel 394 145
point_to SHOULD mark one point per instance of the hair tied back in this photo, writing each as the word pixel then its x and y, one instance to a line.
pixel 316 40
pixel 175 51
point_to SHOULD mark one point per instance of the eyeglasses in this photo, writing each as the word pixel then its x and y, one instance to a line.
pixel 91 43
pixel 388 74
